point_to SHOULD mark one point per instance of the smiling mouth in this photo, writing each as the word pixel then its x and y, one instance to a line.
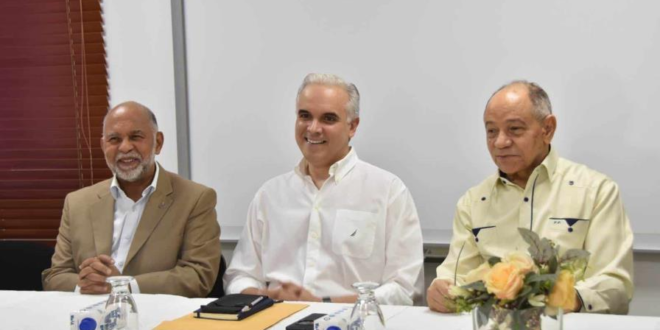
pixel 128 162
pixel 308 140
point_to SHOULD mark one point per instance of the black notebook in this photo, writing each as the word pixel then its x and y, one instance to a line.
pixel 233 307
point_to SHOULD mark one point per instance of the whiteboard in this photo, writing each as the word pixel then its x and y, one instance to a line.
pixel 425 70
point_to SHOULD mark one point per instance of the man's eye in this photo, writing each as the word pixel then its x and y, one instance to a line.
pixel 303 115
pixel 331 119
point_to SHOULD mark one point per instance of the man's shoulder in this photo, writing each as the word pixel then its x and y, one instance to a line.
pixel 90 192
pixel 180 183
pixel 482 188
pixel 375 170
pixel 580 174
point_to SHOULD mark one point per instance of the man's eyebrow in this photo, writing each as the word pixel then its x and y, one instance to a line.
pixel 516 121
pixel 302 110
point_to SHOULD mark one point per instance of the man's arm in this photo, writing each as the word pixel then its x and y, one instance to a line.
pixel 197 268
pixel 62 275
pixel 402 278
pixel 245 274
pixel 463 251
pixel 608 286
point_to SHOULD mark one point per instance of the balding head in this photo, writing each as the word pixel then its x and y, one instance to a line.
pixel 133 106
pixel 521 91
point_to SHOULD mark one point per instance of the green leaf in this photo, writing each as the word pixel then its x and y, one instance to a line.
pixel 476 286
pixel 494 260
pixel 548 251
pixel 575 254
pixel 534 242
pixel 541 278
pixel 553 265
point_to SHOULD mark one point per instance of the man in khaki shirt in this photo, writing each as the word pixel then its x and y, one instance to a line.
pixel 574 206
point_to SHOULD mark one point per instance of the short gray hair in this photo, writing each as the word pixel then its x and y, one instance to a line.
pixel 353 105
pixel 541 106
pixel 150 114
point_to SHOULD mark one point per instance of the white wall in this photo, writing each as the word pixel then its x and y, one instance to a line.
pixel 138 39
pixel 425 70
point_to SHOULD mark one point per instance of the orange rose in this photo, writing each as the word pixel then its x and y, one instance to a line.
pixel 563 293
pixel 522 260
pixel 504 281
pixel 477 274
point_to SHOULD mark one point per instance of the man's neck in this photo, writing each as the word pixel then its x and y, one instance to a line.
pixel 135 189
pixel 318 174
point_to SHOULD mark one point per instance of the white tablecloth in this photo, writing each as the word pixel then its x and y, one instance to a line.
pixel 50 310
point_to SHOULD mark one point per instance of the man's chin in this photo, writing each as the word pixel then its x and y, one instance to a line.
pixel 130 176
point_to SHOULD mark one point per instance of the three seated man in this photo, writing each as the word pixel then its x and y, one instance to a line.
pixel 334 219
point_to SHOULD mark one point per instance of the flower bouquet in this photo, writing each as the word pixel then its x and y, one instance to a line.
pixel 520 290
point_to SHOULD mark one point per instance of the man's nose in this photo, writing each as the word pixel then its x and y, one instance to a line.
pixel 502 140
pixel 126 146
pixel 314 126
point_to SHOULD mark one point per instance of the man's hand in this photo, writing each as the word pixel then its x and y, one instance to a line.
pixel 287 291
pixel 93 273
pixel 438 298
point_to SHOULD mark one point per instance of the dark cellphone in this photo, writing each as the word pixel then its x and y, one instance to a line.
pixel 306 323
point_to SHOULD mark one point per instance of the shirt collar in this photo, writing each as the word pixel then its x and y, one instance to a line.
pixel 337 171
pixel 548 165
pixel 115 190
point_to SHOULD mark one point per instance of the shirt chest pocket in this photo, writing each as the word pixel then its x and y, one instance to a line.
pixel 569 222
pixel 354 233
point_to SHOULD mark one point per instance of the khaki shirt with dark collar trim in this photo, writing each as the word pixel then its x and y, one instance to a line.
pixel 574 206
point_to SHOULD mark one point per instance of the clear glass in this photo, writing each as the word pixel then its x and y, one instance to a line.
pixel 536 318
pixel 120 310
pixel 366 314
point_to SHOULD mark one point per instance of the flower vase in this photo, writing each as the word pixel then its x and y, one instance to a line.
pixel 497 318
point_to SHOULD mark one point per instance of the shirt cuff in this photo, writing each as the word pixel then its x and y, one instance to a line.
pixel 77 289
pixel 591 301
pixel 240 284
pixel 392 294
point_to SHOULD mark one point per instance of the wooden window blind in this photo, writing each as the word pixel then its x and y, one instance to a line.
pixel 53 96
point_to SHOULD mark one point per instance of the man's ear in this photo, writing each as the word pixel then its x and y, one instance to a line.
pixel 353 125
pixel 549 128
pixel 160 139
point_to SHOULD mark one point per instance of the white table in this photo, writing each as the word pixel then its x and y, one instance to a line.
pixel 50 310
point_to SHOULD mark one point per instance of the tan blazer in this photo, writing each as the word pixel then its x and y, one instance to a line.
pixel 176 247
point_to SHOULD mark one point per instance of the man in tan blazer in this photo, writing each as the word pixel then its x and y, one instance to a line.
pixel 144 222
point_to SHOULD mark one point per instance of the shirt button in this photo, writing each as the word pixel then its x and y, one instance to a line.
pixel 590 308
pixel 526 199
pixel 312 264
pixel 315 235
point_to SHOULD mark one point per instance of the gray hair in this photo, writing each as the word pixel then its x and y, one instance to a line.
pixel 150 114
pixel 541 106
pixel 353 105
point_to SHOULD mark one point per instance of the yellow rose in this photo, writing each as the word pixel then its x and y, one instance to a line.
pixel 563 293
pixel 521 260
pixel 504 281
pixel 477 274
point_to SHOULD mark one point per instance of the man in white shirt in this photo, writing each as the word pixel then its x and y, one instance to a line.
pixel 145 222
pixel 334 220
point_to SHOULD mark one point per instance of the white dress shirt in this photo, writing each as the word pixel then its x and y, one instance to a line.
pixel 127 214
pixel 361 225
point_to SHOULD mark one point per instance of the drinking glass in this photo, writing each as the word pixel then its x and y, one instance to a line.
pixel 366 314
pixel 120 310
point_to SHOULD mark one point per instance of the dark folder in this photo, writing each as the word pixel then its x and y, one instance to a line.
pixel 234 307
